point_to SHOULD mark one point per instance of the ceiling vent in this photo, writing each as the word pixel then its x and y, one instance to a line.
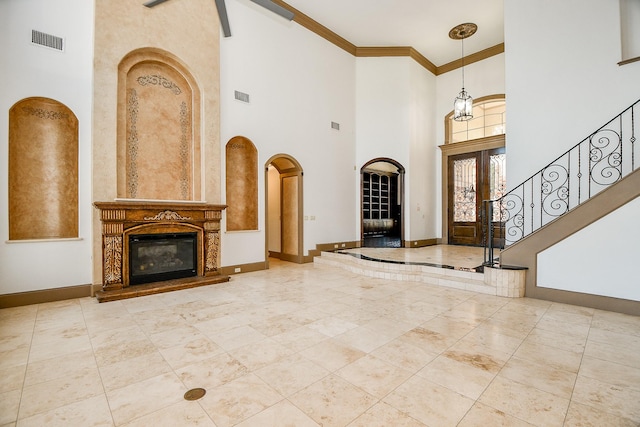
pixel 241 96
pixel 335 125
pixel 47 40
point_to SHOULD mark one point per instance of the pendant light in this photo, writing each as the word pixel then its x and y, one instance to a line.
pixel 463 104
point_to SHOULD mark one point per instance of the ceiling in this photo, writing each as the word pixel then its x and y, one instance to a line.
pixel 421 24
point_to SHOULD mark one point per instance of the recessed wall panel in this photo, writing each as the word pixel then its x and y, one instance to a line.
pixel 242 184
pixel 43 170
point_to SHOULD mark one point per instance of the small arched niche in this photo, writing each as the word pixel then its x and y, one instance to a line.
pixel 241 184
pixel 158 128
pixel 43 170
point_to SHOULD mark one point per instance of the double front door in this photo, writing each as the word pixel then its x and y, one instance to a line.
pixel 474 177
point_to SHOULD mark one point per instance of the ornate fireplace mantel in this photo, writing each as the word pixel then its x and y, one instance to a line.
pixel 123 219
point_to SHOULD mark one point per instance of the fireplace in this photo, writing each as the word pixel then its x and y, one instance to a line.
pixel 158 247
pixel 159 257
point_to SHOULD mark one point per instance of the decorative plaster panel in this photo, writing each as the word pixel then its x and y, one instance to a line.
pixel 43 170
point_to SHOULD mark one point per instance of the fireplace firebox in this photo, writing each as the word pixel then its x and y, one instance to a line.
pixel 160 257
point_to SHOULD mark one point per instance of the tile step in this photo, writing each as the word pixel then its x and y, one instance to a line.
pixel 445 277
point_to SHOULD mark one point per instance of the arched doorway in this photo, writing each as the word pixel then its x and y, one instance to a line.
pixel 473 170
pixel 284 212
pixel 382 198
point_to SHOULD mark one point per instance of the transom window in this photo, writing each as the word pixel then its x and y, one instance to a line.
pixel 488 120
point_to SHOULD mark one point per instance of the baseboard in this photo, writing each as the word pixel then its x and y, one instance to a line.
pixel 242 268
pixel 420 243
pixel 336 246
pixel 45 295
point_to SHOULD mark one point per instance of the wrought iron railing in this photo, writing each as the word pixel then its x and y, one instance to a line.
pixel 595 163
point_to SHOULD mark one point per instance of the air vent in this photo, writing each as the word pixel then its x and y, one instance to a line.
pixel 335 125
pixel 241 96
pixel 47 40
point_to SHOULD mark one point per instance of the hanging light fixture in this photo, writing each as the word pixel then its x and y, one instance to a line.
pixel 463 104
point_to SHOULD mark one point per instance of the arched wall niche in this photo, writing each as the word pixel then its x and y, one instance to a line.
pixel 241 159
pixel 158 136
pixel 43 170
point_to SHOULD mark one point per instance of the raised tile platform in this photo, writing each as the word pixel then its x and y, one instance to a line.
pixel 491 281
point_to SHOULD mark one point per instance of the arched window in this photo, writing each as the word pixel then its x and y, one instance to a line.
pixel 489 119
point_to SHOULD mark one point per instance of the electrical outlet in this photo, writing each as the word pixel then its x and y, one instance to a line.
pixel 343 245
pixel 313 217
pixel 415 243
pixel 335 246
pixel 237 270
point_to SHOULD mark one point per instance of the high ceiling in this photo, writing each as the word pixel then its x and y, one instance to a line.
pixel 421 24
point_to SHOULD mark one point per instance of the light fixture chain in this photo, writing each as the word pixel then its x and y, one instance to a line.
pixel 462 62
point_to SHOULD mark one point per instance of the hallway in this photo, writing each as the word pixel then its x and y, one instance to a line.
pixel 309 345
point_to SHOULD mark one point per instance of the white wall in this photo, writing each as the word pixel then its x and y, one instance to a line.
pixel 562 77
pixel 422 174
pixel 590 262
pixel 383 120
pixel 27 70
pixel 298 84
pixel 563 82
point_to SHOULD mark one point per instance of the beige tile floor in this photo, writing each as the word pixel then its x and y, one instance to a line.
pixel 305 345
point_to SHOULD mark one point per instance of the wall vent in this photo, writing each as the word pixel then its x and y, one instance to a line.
pixel 47 40
pixel 335 125
pixel 241 96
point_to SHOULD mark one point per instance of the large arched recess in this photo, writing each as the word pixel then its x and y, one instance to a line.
pixel 382 166
pixel 284 209
pixel 159 128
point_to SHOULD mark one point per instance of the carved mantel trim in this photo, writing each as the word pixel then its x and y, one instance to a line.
pixel 122 219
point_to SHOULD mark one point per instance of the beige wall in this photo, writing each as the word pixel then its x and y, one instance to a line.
pixel 187 30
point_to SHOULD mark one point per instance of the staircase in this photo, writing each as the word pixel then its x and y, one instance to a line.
pixel 592 179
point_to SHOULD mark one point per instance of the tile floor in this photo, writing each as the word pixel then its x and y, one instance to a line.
pixel 305 345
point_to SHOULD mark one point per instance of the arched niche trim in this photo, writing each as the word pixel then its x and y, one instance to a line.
pixel 43 170
pixel 241 162
pixel 159 120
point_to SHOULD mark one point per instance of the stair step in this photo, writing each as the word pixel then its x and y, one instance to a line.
pixel 445 277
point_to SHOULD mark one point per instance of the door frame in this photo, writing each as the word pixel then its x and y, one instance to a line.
pixel 401 172
pixel 286 166
pixel 480 144
pixel 483 192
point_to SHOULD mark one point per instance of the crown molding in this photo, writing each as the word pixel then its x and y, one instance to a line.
pixel 409 51
pixel 381 51
pixel 315 27
pixel 470 59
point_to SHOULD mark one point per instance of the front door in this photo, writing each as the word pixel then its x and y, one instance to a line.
pixel 473 177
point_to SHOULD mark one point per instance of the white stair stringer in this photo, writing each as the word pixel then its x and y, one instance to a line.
pixel 445 277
